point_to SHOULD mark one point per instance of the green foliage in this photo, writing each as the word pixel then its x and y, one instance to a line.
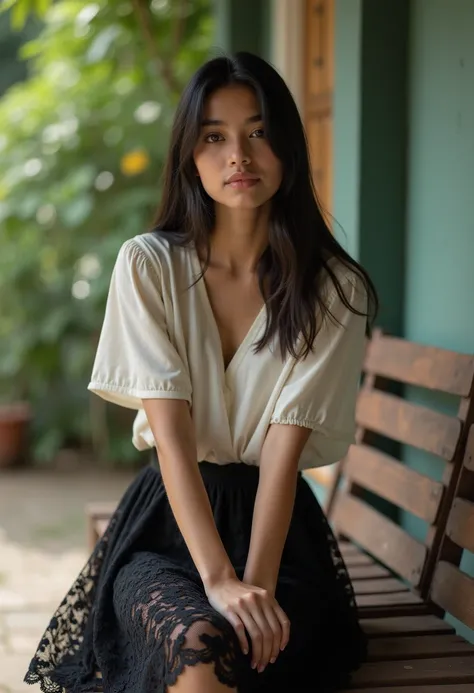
pixel 21 9
pixel 82 145
pixel 12 69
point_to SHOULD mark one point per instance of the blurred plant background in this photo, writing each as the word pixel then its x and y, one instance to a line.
pixel 85 113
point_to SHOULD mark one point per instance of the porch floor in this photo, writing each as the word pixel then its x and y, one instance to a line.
pixel 42 549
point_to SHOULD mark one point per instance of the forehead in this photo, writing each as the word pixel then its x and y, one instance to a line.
pixel 231 102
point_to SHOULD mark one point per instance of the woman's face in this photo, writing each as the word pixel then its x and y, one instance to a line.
pixel 233 158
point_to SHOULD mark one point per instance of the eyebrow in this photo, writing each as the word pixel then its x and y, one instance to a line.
pixel 209 121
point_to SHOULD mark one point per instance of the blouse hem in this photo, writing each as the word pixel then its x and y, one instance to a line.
pixel 307 423
pixel 97 387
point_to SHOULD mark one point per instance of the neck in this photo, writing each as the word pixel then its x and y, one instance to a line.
pixel 239 238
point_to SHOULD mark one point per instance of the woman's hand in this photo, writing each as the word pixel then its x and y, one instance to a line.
pixel 255 610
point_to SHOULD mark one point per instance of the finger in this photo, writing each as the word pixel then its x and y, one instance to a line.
pixel 277 633
pixel 255 634
pixel 285 625
pixel 260 618
pixel 239 629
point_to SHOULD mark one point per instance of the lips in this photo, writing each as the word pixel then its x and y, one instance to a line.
pixel 242 179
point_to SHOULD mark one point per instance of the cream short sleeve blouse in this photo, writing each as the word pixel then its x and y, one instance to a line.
pixel 160 340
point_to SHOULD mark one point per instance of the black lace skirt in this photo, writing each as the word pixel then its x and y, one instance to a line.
pixel 137 615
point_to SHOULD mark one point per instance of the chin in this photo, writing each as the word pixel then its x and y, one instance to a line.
pixel 246 204
pixel 246 201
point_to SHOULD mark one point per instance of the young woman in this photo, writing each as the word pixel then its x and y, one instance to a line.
pixel 236 328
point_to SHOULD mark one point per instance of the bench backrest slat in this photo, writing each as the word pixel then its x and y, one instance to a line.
pixel 397 483
pixel 368 469
pixel 452 589
pixel 460 527
pixel 385 540
pixel 408 423
pixel 415 364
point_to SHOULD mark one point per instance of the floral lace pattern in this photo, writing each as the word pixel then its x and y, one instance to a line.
pixel 169 616
pixel 65 633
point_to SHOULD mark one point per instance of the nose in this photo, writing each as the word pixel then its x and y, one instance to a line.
pixel 239 154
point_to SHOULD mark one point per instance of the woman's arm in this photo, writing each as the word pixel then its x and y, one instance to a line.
pixel 173 430
pixel 274 503
pixel 246 607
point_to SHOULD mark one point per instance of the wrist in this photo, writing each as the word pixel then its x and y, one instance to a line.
pixel 213 577
pixel 261 579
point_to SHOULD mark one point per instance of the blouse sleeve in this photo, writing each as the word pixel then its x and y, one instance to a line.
pixel 135 358
pixel 321 390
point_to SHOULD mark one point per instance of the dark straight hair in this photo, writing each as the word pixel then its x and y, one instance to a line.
pixel 301 245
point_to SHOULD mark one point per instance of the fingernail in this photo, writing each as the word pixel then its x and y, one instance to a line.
pixel 273 660
pixel 254 664
pixel 260 668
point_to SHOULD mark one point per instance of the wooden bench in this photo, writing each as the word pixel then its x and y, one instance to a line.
pixel 390 569
pixel 422 654
pixel 97 517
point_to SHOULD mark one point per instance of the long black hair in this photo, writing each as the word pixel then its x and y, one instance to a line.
pixel 301 244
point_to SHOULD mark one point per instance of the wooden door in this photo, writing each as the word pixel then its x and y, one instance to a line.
pixel 318 94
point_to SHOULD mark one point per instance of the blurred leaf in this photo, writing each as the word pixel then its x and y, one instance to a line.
pixel 49 443
pixel 101 44
pixel 54 324
pixel 77 211
pixel 22 8
pixel 20 12
pixel 28 205
pixel 42 6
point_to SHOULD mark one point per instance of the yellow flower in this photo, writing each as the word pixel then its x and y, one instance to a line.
pixel 134 162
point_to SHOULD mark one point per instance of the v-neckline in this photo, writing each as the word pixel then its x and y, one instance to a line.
pixel 249 336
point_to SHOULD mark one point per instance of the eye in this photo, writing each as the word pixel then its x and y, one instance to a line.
pixel 212 137
pixel 258 133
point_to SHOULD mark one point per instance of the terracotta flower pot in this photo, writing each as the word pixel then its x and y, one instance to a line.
pixel 14 424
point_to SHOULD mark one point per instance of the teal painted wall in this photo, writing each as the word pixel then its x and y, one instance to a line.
pixel 243 25
pixel 383 161
pixel 347 125
pixel 370 132
pixel 370 110
pixel 439 283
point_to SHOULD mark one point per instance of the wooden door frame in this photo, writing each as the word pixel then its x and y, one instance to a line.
pixel 290 54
